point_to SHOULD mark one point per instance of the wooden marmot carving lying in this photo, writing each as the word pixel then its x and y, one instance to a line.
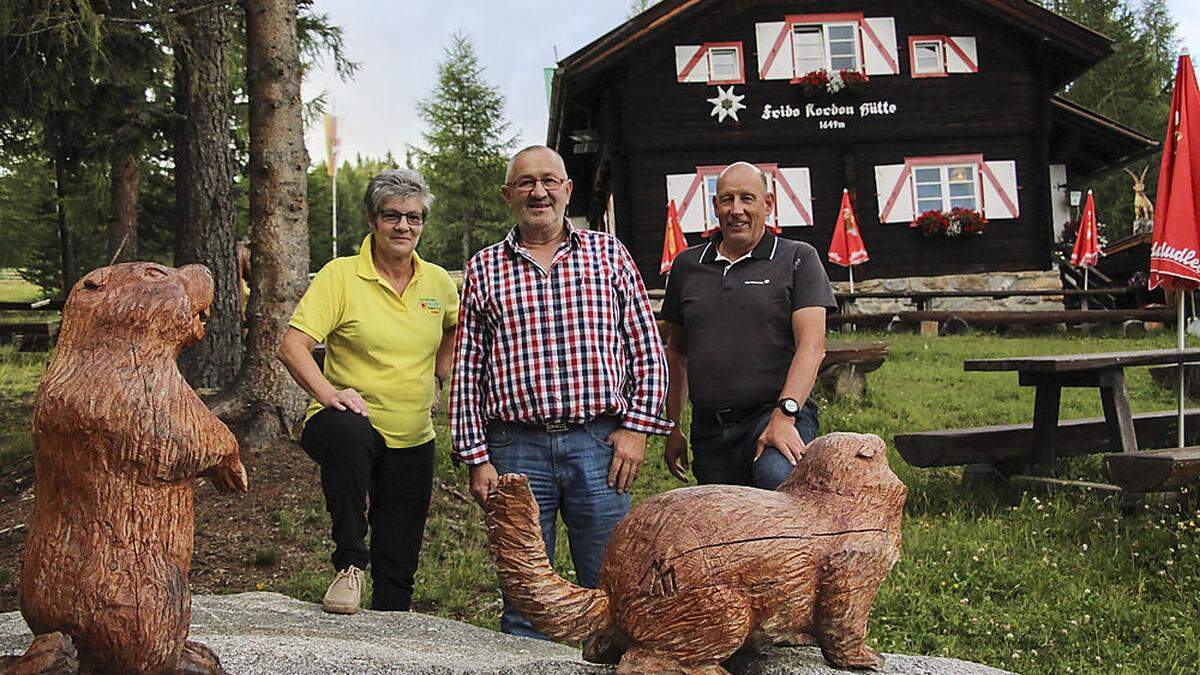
pixel 120 438
pixel 692 575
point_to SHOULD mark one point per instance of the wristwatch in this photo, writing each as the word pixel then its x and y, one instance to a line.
pixel 789 406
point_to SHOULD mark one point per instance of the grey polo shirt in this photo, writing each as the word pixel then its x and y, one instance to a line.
pixel 738 317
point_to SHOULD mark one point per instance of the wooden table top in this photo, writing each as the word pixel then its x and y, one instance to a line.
pixel 1064 363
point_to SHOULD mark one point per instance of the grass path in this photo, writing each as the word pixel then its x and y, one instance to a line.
pixel 1062 585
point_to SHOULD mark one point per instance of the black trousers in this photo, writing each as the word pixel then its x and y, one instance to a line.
pixel 367 483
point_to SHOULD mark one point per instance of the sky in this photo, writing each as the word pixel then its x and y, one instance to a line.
pixel 399 45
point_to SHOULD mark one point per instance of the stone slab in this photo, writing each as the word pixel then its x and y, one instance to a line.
pixel 261 633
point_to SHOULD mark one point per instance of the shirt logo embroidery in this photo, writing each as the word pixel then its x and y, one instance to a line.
pixel 430 305
pixel 756 282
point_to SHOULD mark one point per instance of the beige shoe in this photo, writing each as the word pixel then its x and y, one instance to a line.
pixel 345 593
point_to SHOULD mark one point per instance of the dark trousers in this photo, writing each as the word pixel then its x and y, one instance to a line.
pixel 725 453
pixel 367 483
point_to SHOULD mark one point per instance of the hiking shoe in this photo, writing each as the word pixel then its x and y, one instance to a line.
pixel 345 593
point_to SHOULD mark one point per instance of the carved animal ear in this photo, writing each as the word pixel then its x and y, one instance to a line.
pixel 1144 170
pixel 96 280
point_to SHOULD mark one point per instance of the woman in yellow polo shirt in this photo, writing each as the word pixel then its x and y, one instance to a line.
pixel 387 319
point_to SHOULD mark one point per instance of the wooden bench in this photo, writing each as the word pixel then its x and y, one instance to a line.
pixel 1154 470
pixel 31 335
pixel 844 370
pixel 999 318
pixel 1015 442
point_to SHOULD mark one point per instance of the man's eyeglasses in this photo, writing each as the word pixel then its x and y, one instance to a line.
pixel 414 218
pixel 528 184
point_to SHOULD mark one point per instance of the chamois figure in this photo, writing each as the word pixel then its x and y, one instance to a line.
pixel 1142 208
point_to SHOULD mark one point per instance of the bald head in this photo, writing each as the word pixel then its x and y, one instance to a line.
pixel 512 163
pixel 740 169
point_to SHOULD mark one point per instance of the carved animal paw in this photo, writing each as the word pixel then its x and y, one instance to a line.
pixel 52 653
pixel 512 490
pixel 198 659
pixel 864 658
pixel 229 477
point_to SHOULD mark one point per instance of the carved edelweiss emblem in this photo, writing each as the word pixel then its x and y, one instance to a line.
pixel 726 103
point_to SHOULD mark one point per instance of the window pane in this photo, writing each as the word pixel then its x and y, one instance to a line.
pixel 964 203
pixel 928 56
pixel 837 48
pixel 929 190
pixel 724 63
pixel 928 175
pixel 962 189
pixel 841 32
pixel 961 173
pixel 924 205
pixel 844 63
pixel 808 47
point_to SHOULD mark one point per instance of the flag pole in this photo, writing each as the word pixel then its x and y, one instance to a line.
pixel 334 182
pixel 851 268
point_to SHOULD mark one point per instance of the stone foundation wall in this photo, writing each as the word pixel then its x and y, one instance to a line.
pixel 1045 280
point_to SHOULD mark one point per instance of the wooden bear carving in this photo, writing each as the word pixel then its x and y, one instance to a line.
pixel 694 574
pixel 119 439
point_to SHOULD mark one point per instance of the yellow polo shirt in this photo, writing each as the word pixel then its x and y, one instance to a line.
pixel 379 343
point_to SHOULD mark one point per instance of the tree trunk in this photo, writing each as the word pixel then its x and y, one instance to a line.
pixel 204 170
pixel 122 229
pixel 466 243
pixel 267 403
pixel 66 255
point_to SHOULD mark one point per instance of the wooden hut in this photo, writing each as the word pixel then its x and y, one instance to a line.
pixel 933 106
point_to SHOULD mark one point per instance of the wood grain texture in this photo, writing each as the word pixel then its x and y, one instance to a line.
pixel 692 575
pixel 119 439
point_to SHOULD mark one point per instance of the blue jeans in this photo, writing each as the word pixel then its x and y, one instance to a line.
pixel 568 473
pixel 725 454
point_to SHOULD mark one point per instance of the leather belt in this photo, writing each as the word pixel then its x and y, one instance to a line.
pixel 732 415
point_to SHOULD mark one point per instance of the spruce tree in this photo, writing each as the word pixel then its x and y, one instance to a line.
pixel 465 158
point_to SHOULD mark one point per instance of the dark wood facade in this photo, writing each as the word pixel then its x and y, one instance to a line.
pixel 639 124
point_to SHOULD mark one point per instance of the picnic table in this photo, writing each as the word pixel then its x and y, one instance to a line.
pixel 1032 450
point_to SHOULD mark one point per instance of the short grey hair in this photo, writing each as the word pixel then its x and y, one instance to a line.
pixel 508 173
pixel 402 183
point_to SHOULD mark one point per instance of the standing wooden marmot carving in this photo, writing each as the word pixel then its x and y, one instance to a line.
pixel 692 575
pixel 119 438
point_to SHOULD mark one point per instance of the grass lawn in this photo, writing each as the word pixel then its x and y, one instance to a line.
pixel 1040 585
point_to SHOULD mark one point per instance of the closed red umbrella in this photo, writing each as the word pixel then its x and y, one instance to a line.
pixel 1174 257
pixel 846 248
pixel 1175 252
pixel 1087 240
pixel 673 241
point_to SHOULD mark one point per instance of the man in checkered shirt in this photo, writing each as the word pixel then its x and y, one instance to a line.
pixel 559 370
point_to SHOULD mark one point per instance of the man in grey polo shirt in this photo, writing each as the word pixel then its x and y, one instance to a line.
pixel 747 335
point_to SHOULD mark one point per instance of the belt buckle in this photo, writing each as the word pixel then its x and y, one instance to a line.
pixel 556 427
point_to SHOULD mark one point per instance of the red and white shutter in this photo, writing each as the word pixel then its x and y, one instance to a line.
pixel 1000 199
pixel 690 64
pixel 774 50
pixel 793 197
pixel 880 55
pixel 961 55
pixel 685 190
pixel 895 193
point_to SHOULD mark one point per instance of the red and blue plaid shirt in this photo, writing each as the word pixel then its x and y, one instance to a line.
pixel 564 345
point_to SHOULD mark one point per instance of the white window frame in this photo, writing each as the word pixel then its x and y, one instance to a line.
pixel 738 75
pixel 941 57
pixel 855 38
pixel 944 184
pixel 822 30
